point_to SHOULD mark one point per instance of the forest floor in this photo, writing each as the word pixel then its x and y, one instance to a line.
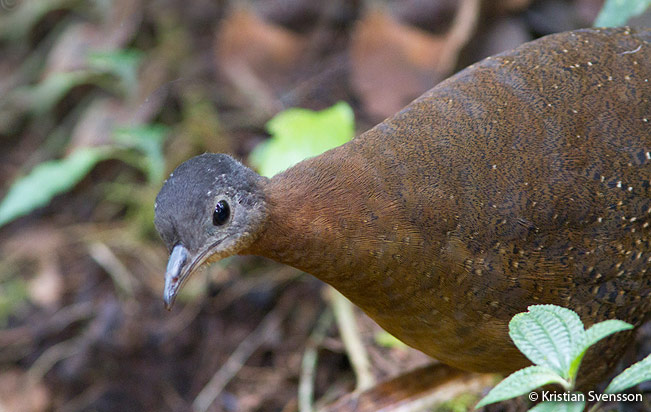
pixel 82 322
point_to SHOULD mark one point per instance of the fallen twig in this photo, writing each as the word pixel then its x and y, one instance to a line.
pixel 122 277
pixel 308 364
pixel 419 390
pixel 260 335
pixel 357 354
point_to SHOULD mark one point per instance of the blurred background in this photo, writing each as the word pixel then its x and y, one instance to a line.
pixel 101 99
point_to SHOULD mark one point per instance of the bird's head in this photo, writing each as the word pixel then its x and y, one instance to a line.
pixel 209 208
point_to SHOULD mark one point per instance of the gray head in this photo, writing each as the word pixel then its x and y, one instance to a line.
pixel 209 208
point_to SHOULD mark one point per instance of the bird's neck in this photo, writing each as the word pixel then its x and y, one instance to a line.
pixel 333 218
pixel 307 221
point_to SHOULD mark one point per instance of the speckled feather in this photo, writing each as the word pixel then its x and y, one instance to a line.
pixel 523 179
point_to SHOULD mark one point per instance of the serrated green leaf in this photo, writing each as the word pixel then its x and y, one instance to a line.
pixel 521 382
pixel 618 12
pixel 593 335
pixel 548 335
pixel 47 180
pixel 559 407
pixel 600 330
pixel 147 139
pixel 637 373
pixel 301 133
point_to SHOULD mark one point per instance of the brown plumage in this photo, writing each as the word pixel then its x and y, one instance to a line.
pixel 524 179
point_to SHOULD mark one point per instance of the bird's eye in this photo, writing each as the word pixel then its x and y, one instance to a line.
pixel 221 213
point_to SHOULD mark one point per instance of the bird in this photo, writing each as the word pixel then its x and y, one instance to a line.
pixel 523 179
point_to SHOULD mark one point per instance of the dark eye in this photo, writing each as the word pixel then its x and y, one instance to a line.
pixel 221 213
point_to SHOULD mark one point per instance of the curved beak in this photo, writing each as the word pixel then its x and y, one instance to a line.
pixel 177 272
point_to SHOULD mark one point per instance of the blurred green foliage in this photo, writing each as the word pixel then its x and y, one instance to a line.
pixel 384 338
pixel 43 96
pixel 140 145
pixel 19 21
pixel 144 146
pixel 46 181
pixel 297 134
pixel 123 64
pixel 147 140
pixel 461 403
pixel 13 295
pixel 618 12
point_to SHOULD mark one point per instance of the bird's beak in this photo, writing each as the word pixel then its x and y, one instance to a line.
pixel 178 269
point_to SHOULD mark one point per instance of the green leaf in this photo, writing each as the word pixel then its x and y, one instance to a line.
pixel 384 338
pixel 460 403
pixel 301 133
pixel 559 407
pixel 593 335
pixel 41 97
pixel 147 139
pixel 549 335
pixel 13 296
pixel 18 17
pixel 618 12
pixel 600 330
pixel 521 382
pixel 121 63
pixel 637 373
pixel 47 180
